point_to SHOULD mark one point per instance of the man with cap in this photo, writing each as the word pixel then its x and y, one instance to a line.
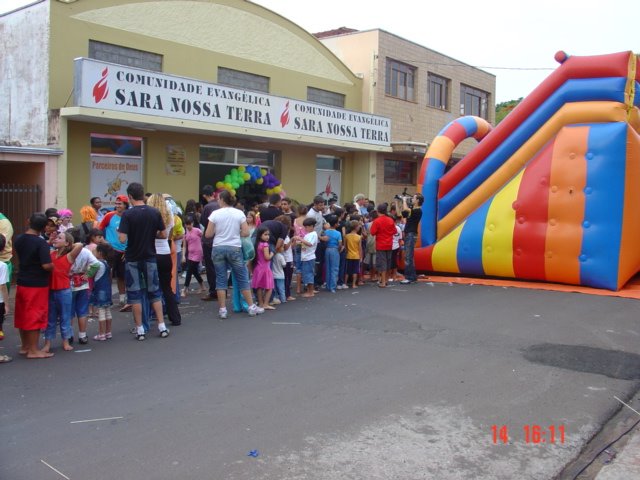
pixel 109 225
pixel 208 193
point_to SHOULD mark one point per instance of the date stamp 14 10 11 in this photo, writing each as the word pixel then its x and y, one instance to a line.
pixel 530 434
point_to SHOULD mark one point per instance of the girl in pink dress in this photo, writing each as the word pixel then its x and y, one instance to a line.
pixel 194 255
pixel 262 279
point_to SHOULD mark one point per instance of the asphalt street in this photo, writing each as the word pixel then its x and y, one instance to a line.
pixel 425 381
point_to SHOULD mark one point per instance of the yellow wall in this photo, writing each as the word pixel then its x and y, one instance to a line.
pixel 296 167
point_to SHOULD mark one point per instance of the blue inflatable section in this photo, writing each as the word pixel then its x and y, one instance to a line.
pixel 604 200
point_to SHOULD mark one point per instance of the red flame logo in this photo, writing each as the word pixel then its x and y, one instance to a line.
pixel 327 189
pixel 101 89
pixel 284 117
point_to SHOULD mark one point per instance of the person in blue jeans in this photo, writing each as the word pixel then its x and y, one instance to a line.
pixel 332 252
pixel 139 228
pixel 411 235
pixel 227 225
pixel 308 254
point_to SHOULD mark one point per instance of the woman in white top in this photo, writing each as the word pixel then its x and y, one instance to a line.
pixel 163 259
pixel 226 226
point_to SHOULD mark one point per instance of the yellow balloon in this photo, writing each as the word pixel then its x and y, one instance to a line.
pixel 219 184
pixel 246 177
pixel 233 192
pixel 241 168
pixel 269 191
pixel 228 186
pixel 263 171
pixel 277 189
pixel 260 181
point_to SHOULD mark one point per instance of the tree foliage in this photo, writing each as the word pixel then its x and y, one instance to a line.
pixel 504 108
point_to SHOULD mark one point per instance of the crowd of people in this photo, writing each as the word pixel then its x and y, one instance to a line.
pixel 263 254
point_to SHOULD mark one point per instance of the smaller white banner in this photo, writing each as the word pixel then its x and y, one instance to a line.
pixel 111 175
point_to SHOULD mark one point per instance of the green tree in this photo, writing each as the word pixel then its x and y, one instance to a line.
pixel 504 108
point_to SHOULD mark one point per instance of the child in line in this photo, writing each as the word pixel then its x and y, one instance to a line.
pixel 262 279
pixel 251 221
pixel 194 255
pixel 277 267
pixel 332 252
pixel 308 254
pixel 4 293
pixel 94 238
pixel 370 248
pixel 84 267
pixel 288 267
pixel 60 302
pixel 353 239
pixel 65 220
pixel 101 294
pixel 395 248
pixel 298 232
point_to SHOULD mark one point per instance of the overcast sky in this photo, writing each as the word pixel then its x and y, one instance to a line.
pixel 514 35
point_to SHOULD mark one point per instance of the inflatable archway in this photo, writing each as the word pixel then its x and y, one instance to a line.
pixel 238 176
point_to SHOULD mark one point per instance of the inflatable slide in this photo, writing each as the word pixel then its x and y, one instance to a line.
pixel 552 193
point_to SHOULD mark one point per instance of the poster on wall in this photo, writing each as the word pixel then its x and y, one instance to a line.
pixel 115 162
pixel 176 163
pixel 111 175
pixel 328 184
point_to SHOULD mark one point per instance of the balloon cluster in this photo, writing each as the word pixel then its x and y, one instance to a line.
pixel 238 176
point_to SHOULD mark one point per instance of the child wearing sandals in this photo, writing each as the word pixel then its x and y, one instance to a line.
pixel 60 299
pixel 308 255
pixel 262 279
pixel 101 294
pixel 84 268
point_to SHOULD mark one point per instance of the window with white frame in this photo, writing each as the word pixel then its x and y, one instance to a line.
pixel 236 156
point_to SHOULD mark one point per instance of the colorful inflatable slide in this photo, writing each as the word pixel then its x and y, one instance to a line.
pixel 552 193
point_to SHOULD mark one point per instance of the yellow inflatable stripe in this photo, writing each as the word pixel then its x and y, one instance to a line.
pixel 497 241
pixel 445 252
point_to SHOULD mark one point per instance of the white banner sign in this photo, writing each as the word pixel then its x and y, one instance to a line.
pixel 115 87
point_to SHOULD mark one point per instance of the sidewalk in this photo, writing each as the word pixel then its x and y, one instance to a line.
pixel 626 464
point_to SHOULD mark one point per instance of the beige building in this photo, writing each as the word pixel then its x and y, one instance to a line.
pixel 177 94
pixel 419 89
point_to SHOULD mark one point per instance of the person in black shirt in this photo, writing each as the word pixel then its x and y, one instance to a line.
pixel 273 210
pixel 31 309
pixel 410 236
pixel 208 193
pixel 278 229
pixel 139 228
